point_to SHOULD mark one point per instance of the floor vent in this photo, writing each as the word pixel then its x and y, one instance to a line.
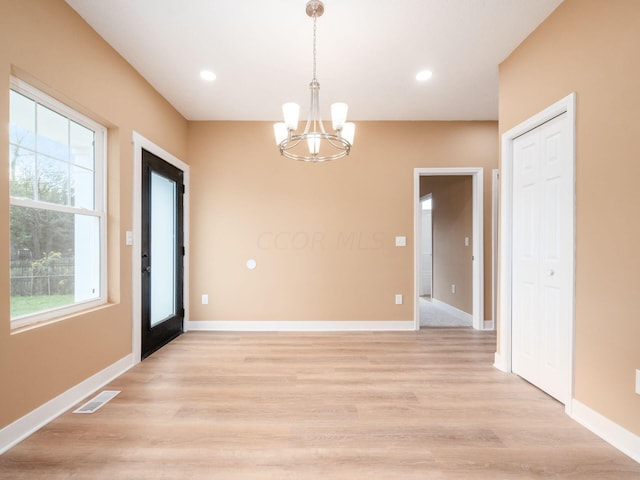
pixel 97 402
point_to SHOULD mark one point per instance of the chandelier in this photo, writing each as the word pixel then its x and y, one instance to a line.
pixel 314 144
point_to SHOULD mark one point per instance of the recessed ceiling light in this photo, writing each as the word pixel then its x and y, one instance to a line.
pixel 424 75
pixel 207 75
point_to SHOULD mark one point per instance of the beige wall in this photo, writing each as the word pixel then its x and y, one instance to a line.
pixel 452 221
pixel 322 235
pixel 46 43
pixel 592 47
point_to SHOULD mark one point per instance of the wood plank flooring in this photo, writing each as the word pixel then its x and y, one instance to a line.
pixel 409 405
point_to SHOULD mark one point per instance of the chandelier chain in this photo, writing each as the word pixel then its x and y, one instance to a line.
pixel 315 18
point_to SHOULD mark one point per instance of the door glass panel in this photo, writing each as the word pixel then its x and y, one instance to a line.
pixel 162 254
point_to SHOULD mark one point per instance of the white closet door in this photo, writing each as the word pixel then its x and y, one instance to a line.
pixel 542 250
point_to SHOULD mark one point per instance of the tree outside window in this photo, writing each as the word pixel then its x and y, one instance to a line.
pixel 56 214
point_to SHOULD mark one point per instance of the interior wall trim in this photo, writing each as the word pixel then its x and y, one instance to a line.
pixel 499 362
pixel 301 326
pixel 476 174
pixel 619 437
pixel 138 143
pixel 17 431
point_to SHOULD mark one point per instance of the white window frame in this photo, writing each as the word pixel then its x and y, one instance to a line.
pixel 100 198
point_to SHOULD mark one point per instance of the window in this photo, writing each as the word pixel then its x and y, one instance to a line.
pixel 57 207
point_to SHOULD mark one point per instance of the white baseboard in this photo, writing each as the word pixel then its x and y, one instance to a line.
pixel 456 312
pixel 17 431
pixel 622 439
pixel 499 363
pixel 488 325
pixel 301 326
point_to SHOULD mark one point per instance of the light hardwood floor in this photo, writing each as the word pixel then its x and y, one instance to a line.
pixel 411 405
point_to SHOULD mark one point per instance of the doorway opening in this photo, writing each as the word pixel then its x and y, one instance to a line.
pixel 472 247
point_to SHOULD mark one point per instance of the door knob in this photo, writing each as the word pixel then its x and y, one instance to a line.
pixel 147 270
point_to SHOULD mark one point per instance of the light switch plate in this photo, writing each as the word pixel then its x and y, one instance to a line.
pixel 205 299
pixel 128 237
pixel 401 241
pixel 398 299
pixel 638 382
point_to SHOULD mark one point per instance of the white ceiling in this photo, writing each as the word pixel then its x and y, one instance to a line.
pixel 368 53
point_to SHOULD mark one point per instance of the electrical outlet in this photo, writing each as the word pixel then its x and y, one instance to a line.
pixel 401 241
pixel 205 299
pixel 453 289
pixel 398 299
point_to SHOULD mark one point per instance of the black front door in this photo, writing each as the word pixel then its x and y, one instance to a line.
pixel 162 252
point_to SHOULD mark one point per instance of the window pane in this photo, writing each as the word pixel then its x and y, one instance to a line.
pixel 87 258
pixel 56 249
pixel 82 188
pixel 41 259
pixel 23 120
pixel 52 180
pixel 53 133
pixel 22 172
pixel 82 146
pixel 54 259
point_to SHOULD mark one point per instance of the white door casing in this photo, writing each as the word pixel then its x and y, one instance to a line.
pixel 495 218
pixel 503 357
pixel 426 254
pixel 139 142
pixel 476 174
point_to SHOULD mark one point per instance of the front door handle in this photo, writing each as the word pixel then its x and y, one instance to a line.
pixel 147 270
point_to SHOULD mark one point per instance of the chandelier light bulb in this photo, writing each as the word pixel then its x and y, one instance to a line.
pixel 313 141
pixel 338 115
pixel 349 131
pixel 281 132
pixel 291 112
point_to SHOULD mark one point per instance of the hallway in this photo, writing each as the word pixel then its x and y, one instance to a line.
pixel 432 315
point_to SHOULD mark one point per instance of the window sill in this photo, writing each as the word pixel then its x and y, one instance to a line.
pixel 38 323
